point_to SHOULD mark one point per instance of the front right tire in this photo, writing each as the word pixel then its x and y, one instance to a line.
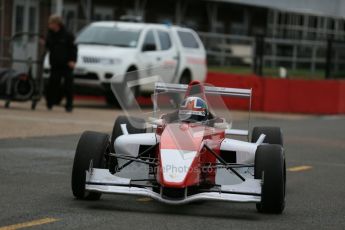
pixel 270 168
pixel 91 146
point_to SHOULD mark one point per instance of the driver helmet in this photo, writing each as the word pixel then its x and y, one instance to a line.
pixel 193 109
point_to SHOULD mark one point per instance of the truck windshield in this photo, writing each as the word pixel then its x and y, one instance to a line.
pixel 111 36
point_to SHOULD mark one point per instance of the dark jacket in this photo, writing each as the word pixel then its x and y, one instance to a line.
pixel 61 48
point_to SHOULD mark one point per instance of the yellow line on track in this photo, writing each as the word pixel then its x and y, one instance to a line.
pixel 297 169
pixel 29 224
pixel 143 199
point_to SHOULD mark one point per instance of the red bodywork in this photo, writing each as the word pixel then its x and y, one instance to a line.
pixel 191 137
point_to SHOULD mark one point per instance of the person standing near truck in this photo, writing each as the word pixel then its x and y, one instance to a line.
pixel 62 58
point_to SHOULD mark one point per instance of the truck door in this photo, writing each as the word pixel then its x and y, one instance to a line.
pixel 149 56
pixel 168 57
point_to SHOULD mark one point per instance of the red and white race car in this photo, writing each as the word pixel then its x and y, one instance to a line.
pixel 183 147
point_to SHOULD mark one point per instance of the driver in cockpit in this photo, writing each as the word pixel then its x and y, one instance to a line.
pixel 192 109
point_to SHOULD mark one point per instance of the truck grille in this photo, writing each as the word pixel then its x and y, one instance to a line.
pixel 91 60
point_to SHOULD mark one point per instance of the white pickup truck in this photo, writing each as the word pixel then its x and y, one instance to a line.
pixel 107 50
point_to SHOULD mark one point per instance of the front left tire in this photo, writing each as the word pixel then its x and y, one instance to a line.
pixel 91 146
pixel 274 135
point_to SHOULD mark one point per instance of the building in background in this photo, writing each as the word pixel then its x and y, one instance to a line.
pixel 228 27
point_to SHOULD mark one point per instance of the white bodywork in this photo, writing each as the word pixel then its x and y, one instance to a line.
pixel 176 164
pixel 245 152
pixel 129 144
pixel 177 58
pixel 100 180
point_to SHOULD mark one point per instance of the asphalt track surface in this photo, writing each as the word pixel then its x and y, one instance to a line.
pixel 35 177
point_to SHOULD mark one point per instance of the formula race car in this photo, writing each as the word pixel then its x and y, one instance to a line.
pixel 183 145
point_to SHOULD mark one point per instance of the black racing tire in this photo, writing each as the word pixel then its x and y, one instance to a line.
pixel 134 125
pixel 274 135
pixel 91 146
pixel 270 167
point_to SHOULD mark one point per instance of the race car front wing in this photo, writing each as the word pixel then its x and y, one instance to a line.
pixel 100 180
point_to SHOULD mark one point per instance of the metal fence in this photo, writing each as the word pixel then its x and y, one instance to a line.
pixel 22 52
pixel 310 55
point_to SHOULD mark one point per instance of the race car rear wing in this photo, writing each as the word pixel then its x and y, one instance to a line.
pixel 230 92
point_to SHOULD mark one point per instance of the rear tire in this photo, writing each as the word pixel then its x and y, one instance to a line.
pixel 91 146
pixel 273 135
pixel 270 167
pixel 134 125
